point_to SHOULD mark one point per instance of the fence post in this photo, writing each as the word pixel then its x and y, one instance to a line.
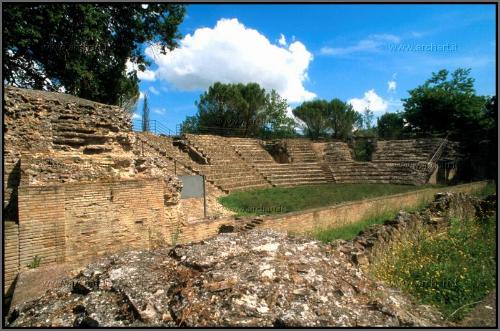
pixel 204 199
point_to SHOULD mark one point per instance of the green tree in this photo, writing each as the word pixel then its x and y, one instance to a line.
pixel 83 48
pixel 444 103
pixel 242 109
pixel 315 115
pixel 390 125
pixel 190 125
pixel 449 104
pixel 278 124
pixel 367 119
pixel 343 118
pixel 145 115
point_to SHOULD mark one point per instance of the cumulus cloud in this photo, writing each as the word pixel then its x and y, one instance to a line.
pixel 372 43
pixel 136 116
pixel 159 111
pixel 370 100
pixel 233 53
pixel 142 75
pixel 391 85
pixel 153 90
pixel 282 40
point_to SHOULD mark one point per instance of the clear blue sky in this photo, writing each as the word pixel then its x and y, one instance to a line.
pixel 370 55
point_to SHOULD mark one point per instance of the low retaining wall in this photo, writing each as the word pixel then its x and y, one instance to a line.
pixel 351 212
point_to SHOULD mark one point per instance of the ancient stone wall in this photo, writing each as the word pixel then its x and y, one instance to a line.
pixel 74 186
pixel 11 253
pixel 62 139
pixel 75 223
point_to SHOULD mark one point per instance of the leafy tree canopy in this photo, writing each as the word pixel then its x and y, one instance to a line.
pixel 240 109
pixel 444 103
pixel 390 125
pixel 322 118
pixel 83 48
pixel 449 104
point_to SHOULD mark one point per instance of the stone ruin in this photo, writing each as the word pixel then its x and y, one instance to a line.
pixel 72 175
pixel 258 278
pixel 74 171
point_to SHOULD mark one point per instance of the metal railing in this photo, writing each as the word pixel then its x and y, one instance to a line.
pixel 439 150
pixel 153 126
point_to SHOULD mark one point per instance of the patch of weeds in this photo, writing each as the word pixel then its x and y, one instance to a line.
pixel 451 269
pixel 35 263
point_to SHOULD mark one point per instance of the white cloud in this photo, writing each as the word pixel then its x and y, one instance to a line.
pixel 391 85
pixel 153 90
pixel 159 111
pixel 142 75
pixel 371 44
pixel 233 53
pixel 141 95
pixel 371 101
pixel 136 116
pixel 282 40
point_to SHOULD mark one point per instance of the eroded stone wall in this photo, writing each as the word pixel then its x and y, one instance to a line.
pixel 74 187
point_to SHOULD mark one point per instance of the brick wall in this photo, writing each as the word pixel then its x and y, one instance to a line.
pixel 11 253
pixel 78 222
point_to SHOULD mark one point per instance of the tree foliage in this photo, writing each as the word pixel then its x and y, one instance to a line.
pixel 314 114
pixel 322 118
pixel 241 109
pixel 444 103
pixel 343 118
pixel 83 48
pixel 390 125
pixel 449 104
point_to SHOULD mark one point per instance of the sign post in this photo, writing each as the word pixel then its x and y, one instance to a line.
pixel 204 199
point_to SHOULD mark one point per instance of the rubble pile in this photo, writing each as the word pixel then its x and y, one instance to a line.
pixel 258 278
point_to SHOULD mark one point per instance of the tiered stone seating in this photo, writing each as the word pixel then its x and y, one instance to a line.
pixel 164 154
pixel 300 150
pixel 370 172
pixel 394 161
pixel 279 174
pixel 337 151
pixel 251 150
pixel 292 174
pixel 415 150
pixel 226 169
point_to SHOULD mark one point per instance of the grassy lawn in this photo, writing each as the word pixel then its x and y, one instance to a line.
pixel 278 200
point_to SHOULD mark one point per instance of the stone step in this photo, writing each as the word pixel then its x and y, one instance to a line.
pixel 294 175
pixel 298 183
pixel 250 187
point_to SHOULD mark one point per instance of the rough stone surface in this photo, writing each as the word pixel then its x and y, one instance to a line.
pixel 260 278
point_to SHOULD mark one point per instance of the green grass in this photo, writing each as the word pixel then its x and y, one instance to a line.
pixel 350 231
pixel 489 189
pixel 279 200
pixel 451 270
